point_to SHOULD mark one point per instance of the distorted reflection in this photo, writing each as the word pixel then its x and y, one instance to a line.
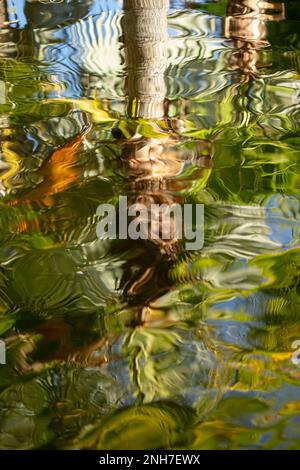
pixel 246 26
pixel 152 164
pixel 139 343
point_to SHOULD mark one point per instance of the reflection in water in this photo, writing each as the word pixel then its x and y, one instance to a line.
pixel 145 38
pixel 152 164
pixel 246 26
pixel 114 344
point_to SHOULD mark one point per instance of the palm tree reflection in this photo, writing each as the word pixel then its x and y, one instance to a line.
pixel 246 27
pixel 153 164
pixel 153 167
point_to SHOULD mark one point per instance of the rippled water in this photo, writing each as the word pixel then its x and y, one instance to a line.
pixel 119 344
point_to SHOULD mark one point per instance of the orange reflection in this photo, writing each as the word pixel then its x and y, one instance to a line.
pixel 59 172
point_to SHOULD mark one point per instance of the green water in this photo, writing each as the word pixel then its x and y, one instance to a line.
pixel 123 344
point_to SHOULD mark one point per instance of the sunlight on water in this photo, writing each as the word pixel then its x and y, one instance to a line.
pixel 120 344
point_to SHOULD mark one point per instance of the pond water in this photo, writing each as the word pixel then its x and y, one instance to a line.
pixel 145 344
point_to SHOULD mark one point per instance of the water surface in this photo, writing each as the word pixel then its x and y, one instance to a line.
pixel 123 344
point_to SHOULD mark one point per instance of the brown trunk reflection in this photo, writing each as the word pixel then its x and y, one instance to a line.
pixel 152 164
pixel 246 27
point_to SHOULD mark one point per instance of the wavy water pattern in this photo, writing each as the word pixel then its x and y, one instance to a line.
pixel 115 343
